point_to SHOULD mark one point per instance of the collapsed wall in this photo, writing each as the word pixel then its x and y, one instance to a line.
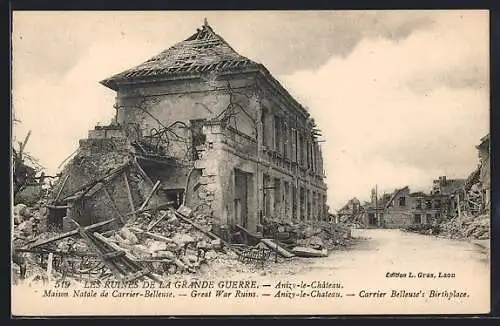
pixel 102 181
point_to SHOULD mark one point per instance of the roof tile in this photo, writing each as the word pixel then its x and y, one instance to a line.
pixel 202 51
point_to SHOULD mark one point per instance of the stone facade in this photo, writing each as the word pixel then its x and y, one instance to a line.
pixel 406 208
pixel 246 148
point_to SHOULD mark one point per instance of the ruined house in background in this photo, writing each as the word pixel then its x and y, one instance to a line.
pixel 373 211
pixel 405 208
pixel 199 125
pixel 476 198
pixel 445 186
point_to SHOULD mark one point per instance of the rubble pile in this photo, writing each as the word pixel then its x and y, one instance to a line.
pixel 164 242
pixel 168 243
pixel 471 228
pixel 26 221
pixel 310 234
pixel 477 228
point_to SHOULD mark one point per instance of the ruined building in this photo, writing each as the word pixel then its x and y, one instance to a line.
pixel 476 200
pixel 403 208
pixel 484 169
pixel 207 128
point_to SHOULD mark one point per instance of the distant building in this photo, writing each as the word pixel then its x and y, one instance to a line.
pixel 444 186
pixel 484 168
pixel 403 208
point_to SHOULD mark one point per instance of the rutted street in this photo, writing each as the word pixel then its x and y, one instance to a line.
pixel 375 253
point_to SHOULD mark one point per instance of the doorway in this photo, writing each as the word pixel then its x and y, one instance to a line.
pixel 241 197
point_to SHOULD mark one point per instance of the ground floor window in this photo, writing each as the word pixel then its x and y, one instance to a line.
pixel 417 219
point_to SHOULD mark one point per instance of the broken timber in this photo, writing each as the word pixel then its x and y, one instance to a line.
pixel 89 185
pixel 113 204
pixel 274 246
pixel 160 206
pixel 69 234
pixel 61 189
pixel 158 220
pixel 121 263
pixel 155 187
pixel 250 237
pixel 208 233
pixel 309 252
pixel 151 234
pixel 129 194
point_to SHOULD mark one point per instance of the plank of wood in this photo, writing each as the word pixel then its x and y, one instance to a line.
pixel 128 255
pixel 208 233
pixel 148 198
pixel 274 246
pixel 252 235
pixel 160 206
pixel 113 204
pixel 69 234
pixel 158 220
pixel 110 264
pixel 57 252
pixel 151 235
pixel 309 252
pixel 89 185
pixel 61 189
pixel 129 193
pixel 142 172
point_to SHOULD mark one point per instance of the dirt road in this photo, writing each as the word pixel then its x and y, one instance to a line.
pixel 374 252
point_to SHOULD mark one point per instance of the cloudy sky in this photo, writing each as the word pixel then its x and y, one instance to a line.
pixel 401 96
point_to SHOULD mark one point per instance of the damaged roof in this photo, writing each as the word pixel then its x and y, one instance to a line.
pixel 203 51
pixel 395 194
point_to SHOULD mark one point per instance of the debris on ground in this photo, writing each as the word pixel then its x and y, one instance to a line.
pixel 472 228
pixel 158 244
pixel 477 228
pixel 312 234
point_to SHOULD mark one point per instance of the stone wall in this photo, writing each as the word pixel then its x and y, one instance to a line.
pixel 396 216
pixel 96 158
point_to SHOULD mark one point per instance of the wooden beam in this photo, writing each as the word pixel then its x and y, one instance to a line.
pixel 148 198
pixel 208 233
pixel 128 256
pixel 23 144
pixel 113 204
pixel 275 247
pixel 160 206
pixel 69 234
pixel 110 264
pixel 158 220
pixel 61 189
pixel 129 193
pixel 89 185
pixel 151 235
pixel 142 172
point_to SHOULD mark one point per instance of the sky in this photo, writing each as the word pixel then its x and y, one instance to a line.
pixel 402 97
